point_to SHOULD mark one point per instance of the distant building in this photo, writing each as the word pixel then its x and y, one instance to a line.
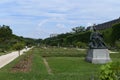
pixel 105 25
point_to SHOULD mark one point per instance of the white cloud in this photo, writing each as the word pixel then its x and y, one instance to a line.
pixel 43 22
pixel 90 24
pixel 61 26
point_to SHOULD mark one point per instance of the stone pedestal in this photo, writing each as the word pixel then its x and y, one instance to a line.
pixel 98 56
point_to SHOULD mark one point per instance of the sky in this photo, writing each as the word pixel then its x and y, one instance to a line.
pixel 40 18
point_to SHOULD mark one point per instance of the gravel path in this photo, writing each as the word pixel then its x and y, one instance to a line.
pixel 5 59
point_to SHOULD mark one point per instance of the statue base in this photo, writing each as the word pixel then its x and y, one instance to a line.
pixel 98 56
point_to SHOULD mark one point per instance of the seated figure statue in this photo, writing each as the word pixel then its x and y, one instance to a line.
pixel 96 40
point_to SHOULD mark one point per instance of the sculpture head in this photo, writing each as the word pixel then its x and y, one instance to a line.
pixel 93 28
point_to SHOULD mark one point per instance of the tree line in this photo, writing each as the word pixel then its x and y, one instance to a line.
pixel 79 37
pixel 10 41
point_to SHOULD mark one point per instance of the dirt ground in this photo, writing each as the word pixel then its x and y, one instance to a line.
pixel 24 65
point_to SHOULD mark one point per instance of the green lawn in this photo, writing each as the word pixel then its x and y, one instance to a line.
pixel 66 64
pixel 74 67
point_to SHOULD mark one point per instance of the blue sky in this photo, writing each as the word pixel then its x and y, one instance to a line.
pixel 40 18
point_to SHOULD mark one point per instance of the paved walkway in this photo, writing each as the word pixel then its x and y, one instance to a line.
pixel 5 59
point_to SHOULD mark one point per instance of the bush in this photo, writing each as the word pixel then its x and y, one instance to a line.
pixel 110 71
pixel 18 46
pixel 80 45
pixel 117 43
pixel 115 32
pixel 107 36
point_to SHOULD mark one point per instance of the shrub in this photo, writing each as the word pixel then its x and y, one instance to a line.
pixel 110 71
pixel 117 43
pixel 18 46
pixel 80 45
pixel 115 32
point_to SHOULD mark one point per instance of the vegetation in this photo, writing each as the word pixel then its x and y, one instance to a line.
pixel 116 32
pixel 62 52
pixel 65 61
pixel 78 29
pixel 63 67
pixel 110 71
pixel 107 33
pixel 79 37
pixel 8 40
pixel 117 43
pixel 5 37
pixel 65 64
pixel 18 46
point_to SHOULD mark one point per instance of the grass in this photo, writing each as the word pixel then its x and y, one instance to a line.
pixel 72 66
pixel 38 69
pixel 66 64
pixel 1 53
pixel 62 52
pixel 5 52
pixel 115 56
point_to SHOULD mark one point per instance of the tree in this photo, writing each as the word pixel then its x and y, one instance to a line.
pixel 8 39
pixel 80 45
pixel 5 32
pixel 5 37
pixel 18 46
pixel 116 32
pixel 78 29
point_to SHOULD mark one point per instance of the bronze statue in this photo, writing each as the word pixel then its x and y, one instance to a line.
pixel 96 40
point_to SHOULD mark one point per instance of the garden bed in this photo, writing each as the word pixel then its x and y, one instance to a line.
pixel 24 65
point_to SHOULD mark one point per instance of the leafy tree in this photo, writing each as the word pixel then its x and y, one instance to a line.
pixel 80 44
pixel 116 32
pixel 18 46
pixel 8 39
pixel 5 32
pixel 78 29
pixel 107 36
pixel 5 37
pixel 69 39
